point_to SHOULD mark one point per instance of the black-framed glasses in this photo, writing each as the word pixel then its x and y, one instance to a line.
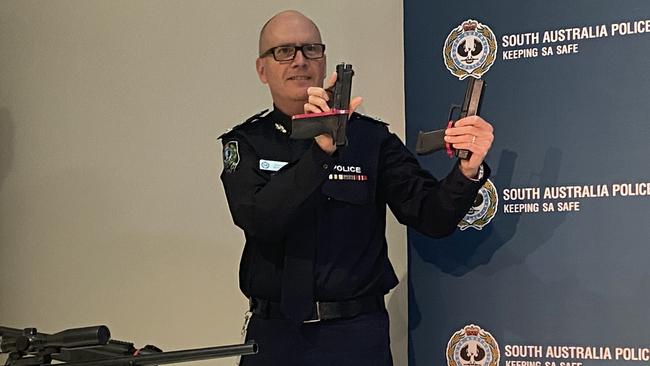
pixel 288 52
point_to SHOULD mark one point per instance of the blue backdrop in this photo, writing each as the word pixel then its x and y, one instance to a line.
pixel 576 276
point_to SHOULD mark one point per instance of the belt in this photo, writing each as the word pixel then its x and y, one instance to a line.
pixel 322 310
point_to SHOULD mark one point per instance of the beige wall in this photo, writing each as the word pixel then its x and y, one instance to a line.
pixel 111 210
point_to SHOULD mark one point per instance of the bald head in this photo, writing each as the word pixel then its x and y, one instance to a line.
pixel 282 25
pixel 289 79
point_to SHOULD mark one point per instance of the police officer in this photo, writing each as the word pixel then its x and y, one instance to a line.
pixel 315 266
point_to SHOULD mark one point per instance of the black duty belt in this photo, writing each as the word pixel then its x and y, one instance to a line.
pixel 322 310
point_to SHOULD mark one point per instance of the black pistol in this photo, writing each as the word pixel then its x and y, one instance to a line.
pixel 432 141
pixel 334 122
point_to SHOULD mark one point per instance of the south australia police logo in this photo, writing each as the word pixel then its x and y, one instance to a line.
pixel 230 156
pixel 472 346
pixel 483 209
pixel 470 49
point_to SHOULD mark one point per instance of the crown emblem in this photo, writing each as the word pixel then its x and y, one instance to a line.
pixel 469 25
pixel 472 330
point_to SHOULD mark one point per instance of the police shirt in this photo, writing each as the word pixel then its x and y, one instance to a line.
pixel 288 195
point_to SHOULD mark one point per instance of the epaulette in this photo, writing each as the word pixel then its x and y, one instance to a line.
pixel 253 118
pixel 368 118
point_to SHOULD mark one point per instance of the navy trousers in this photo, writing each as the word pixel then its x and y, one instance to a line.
pixel 359 341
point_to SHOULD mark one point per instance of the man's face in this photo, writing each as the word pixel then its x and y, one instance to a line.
pixel 289 80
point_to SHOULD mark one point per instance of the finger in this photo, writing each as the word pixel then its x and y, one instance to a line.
pixel 319 102
pixel 326 143
pixel 476 145
pixel 470 138
pixel 310 108
pixel 471 146
pixel 355 103
pixel 468 121
pixel 462 139
pixel 465 130
pixel 319 92
pixel 475 121
pixel 479 145
pixel 460 134
pixel 329 82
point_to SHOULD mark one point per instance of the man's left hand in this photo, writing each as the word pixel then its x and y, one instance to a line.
pixel 471 133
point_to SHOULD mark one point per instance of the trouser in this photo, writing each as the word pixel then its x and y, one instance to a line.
pixel 359 341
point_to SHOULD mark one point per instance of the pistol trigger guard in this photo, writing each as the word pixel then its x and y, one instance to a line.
pixel 453 108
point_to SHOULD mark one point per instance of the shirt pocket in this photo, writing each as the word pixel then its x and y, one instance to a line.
pixel 356 192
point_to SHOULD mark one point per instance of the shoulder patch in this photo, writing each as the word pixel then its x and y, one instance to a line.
pixel 230 156
pixel 368 118
pixel 250 119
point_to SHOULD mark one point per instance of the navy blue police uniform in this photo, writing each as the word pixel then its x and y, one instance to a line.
pixel 315 263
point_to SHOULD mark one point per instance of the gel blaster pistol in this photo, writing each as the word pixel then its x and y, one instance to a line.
pixel 334 122
pixel 432 141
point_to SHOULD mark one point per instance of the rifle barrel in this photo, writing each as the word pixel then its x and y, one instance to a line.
pixel 173 356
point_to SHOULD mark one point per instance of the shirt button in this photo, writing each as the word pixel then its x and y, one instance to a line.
pixel 325 166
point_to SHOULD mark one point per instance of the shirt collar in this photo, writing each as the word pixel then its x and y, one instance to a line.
pixel 280 120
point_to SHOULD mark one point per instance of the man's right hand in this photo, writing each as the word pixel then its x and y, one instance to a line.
pixel 317 103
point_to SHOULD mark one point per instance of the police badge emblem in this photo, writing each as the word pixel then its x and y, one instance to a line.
pixel 470 49
pixel 472 346
pixel 230 156
pixel 483 209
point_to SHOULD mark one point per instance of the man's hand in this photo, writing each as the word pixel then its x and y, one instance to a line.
pixel 471 133
pixel 317 102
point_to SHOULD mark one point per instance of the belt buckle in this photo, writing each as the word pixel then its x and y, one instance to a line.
pixel 318 318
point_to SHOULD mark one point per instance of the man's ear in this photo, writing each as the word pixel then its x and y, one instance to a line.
pixel 261 70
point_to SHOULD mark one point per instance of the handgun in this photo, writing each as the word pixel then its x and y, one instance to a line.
pixel 432 141
pixel 334 122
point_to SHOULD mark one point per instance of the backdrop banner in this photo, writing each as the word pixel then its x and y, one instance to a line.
pixel 550 267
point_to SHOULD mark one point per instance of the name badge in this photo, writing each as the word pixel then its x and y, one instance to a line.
pixel 272 165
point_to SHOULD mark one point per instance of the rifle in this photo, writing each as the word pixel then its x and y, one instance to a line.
pixel 92 346
pixel 334 122
pixel 432 141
